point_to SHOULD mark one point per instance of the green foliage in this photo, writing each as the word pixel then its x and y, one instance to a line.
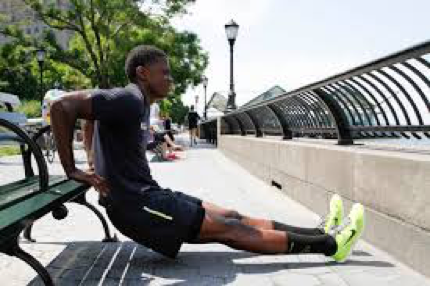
pixel 165 107
pixel 9 151
pixel 104 33
pixel 20 73
pixel 178 111
pixel 31 108
pixel 16 71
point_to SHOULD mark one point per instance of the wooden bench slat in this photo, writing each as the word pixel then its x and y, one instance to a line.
pixel 40 204
pixel 15 192
pixel 21 183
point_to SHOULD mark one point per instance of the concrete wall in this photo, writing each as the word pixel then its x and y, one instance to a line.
pixel 393 186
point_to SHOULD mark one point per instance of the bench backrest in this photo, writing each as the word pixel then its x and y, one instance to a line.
pixel 6 136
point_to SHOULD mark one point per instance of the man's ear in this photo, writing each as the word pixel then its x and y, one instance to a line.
pixel 141 73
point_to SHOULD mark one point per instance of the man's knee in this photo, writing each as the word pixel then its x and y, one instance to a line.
pixel 222 229
pixel 234 215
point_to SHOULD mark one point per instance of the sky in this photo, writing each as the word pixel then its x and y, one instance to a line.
pixel 294 43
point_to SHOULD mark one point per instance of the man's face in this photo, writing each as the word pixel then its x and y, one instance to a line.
pixel 159 79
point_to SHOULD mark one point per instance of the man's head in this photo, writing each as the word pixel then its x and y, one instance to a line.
pixel 148 67
pixel 192 107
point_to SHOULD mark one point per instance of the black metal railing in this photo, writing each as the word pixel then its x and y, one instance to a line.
pixel 387 98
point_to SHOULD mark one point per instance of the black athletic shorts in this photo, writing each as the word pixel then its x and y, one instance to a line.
pixel 159 219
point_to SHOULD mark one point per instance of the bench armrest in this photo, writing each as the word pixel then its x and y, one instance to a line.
pixel 34 149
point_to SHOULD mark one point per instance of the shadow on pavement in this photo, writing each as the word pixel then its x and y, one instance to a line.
pixel 201 145
pixel 127 263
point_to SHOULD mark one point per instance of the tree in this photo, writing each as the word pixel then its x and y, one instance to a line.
pixel 187 59
pixel 178 111
pixel 104 33
pixel 99 24
pixel 16 71
pixel 19 73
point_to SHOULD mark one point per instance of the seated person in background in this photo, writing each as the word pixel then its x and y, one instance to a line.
pixel 168 127
pixel 158 127
pixel 158 144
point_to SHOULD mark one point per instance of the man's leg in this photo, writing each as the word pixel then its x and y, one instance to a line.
pixel 257 222
pixel 190 130
pixel 195 135
pixel 172 144
pixel 165 150
pixel 237 235
pixel 216 226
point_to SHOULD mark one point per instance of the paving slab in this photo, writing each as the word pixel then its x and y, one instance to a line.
pixel 74 254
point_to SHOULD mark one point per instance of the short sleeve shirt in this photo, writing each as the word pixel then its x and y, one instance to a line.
pixel 121 126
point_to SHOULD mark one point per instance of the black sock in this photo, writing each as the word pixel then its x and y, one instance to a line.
pixel 298 230
pixel 324 244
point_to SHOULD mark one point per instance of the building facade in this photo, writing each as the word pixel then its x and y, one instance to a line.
pixel 16 12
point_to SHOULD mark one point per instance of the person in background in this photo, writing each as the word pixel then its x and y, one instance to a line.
pixel 168 127
pixel 193 120
pixel 157 126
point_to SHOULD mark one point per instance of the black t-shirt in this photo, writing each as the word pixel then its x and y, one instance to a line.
pixel 193 118
pixel 122 121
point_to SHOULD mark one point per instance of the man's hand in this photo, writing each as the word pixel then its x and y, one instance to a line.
pixel 92 179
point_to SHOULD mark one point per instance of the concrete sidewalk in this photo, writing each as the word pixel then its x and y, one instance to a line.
pixel 75 256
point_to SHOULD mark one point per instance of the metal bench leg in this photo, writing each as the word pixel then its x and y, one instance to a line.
pixel 27 233
pixel 14 249
pixel 35 264
pixel 83 201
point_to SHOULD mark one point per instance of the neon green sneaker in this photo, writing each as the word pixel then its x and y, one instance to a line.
pixel 335 215
pixel 348 233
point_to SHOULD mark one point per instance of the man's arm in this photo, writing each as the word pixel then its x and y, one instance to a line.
pixel 64 114
pixel 88 131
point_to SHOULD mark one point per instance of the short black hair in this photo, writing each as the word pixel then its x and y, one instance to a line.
pixel 142 55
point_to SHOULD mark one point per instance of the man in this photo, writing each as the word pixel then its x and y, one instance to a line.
pixel 193 120
pixel 159 218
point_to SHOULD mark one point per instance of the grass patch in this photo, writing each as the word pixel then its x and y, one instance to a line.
pixel 31 108
pixel 9 151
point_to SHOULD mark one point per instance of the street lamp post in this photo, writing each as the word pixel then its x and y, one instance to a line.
pixel 40 56
pixel 231 30
pixel 205 85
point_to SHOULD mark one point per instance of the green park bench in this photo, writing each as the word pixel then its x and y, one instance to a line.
pixel 24 201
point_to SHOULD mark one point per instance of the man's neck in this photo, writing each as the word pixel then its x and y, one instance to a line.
pixel 145 92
